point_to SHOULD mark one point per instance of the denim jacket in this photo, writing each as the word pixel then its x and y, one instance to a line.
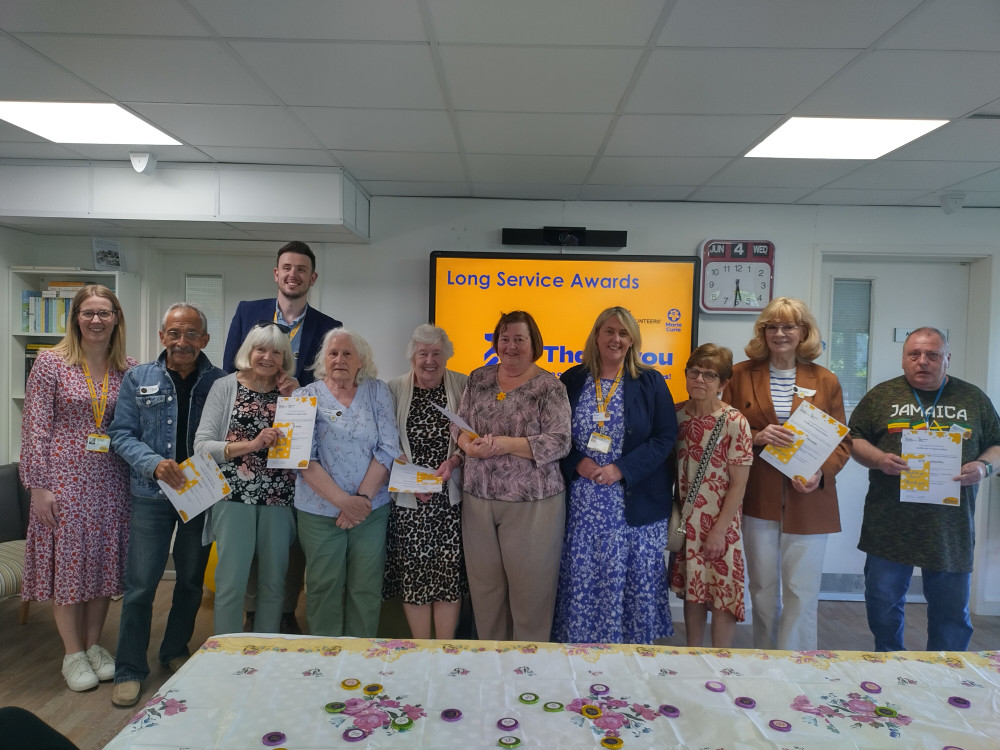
pixel 144 430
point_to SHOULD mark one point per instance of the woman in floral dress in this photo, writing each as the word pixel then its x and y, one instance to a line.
pixel 612 584
pixel 257 517
pixel 708 572
pixel 79 521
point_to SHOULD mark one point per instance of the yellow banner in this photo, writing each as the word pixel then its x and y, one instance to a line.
pixel 564 294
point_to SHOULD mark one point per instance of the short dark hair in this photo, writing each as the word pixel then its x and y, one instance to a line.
pixel 520 316
pixel 299 248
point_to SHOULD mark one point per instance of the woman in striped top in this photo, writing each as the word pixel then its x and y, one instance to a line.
pixel 786 521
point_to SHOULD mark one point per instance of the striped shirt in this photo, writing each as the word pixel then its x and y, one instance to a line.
pixel 782 389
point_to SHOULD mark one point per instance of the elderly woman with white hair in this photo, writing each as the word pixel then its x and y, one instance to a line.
pixel 424 563
pixel 342 497
pixel 256 517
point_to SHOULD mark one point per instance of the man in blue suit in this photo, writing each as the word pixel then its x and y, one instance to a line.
pixel 294 273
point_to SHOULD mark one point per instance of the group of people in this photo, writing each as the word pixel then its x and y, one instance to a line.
pixel 554 509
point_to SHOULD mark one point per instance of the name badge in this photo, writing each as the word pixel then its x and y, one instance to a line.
pixel 600 416
pixel 148 390
pixel 98 443
pixel 803 392
pixel 598 442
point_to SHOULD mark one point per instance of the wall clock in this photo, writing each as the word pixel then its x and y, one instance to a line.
pixel 737 276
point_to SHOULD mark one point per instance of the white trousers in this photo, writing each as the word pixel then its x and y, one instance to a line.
pixel 785 572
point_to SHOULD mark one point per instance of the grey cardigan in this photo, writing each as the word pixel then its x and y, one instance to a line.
pixel 402 391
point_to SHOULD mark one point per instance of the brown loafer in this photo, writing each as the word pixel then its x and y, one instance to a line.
pixel 126 694
pixel 177 662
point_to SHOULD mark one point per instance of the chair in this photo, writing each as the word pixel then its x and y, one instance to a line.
pixel 14 503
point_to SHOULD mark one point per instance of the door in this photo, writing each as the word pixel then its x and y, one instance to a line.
pixel 904 295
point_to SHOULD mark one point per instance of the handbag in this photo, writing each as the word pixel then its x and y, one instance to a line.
pixel 677 533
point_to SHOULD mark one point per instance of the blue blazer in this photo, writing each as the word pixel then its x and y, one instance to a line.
pixel 650 434
pixel 248 313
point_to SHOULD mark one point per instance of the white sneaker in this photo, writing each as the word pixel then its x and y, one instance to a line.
pixel 78 672
pixel 102 662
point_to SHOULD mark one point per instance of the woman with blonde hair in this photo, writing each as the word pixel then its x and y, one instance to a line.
pixel 612 585
pixel 78 526
pixel 786 521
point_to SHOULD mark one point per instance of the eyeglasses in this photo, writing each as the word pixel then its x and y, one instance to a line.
pixel 173 335
pixel 931 356
pixel 91 314
pixel 706 375
pixel 265 323
pixel 784 327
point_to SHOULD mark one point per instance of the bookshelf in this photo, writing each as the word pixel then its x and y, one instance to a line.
pixel 39 324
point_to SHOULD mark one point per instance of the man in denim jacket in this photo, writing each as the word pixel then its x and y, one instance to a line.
pixel 159 407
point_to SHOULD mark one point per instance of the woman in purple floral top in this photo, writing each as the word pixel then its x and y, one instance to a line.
pixel 513 502
pixel 257 517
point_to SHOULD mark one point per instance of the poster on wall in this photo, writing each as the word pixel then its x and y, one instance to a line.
pixel 564 294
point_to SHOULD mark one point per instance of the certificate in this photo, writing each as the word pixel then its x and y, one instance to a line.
pixel 204 487
pixel 295 417
pixel 407 477
pixel 934 459
pixel 457 420
pixel 817 434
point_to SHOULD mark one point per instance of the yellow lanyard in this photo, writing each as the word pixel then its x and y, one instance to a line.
pixel 602 403
pixel 292 331
pixel 97 404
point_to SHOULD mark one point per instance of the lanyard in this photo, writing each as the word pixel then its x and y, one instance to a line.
pixel 294 329
pixel 602 403
pixel 928 413
pixel 97 404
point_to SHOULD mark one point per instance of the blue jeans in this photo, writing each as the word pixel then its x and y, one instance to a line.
pixel 948 625
pixel 153 522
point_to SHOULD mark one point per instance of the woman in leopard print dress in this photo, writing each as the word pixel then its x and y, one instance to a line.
pixel 424 560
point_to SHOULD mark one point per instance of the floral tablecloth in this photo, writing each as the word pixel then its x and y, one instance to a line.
pixel 305 693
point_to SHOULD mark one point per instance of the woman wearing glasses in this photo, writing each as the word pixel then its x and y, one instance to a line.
pixel 79 520
pixel 612 586
pixel 257 517
pixel 786 521
pixel 708 572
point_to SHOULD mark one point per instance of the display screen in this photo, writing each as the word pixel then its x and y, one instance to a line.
pixel 564 294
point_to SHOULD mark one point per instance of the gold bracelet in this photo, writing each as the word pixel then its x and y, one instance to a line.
pixel 225 452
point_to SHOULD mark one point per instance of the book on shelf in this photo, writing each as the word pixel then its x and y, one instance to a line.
pixel 30 355
pixel 73 283
pixel 27 311
pixel 63 292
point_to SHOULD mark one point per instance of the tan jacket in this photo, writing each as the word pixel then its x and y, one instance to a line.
pixel 769 494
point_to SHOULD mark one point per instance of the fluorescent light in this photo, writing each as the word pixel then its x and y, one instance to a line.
pixel 80 122
pixel 840 138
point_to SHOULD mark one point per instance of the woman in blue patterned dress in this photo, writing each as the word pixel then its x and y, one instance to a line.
pixel 612 584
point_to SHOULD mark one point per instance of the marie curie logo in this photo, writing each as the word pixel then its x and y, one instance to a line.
pixel 489 356
pixel 673 324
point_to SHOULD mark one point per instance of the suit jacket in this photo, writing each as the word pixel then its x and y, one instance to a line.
pixel 248 313
pixel 650 434
pixel 769 494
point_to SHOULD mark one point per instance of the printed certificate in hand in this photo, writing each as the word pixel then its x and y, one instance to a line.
pixel 457 420
pixel 295 417
pixel 817 434
pixel 205 486
pixel 934 458
pixel 407 477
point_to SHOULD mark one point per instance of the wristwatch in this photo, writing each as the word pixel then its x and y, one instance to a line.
pixel 987 464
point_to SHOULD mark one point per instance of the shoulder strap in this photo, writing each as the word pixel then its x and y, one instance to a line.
pixel 699 476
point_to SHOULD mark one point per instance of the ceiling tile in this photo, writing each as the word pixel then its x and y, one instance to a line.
pixel 229 125
pixel 514 133
pixel 949 25
pixel 767 23
pixel 907 83
pixel 295 156
pixel 314 19
pixel 916 175
pixel 717 194
pixel 553 22
pixel 520 191
pixel 687 135
pixel 963 140
pixel 988 182
pixel 635 192
pixel 102 152
pixel 379 129
pixel 803 173
pixel 729 81
pixel 528 169
pixel 533 79
pixel 35 150
pixel 139 17
pixel 631 170
pixel 837 197
pixel 28 76
pixel 416 188
pixel 155 70
pixel 379 165
pixel 345 74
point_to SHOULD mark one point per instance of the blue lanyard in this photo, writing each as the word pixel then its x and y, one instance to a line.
pixel 928 413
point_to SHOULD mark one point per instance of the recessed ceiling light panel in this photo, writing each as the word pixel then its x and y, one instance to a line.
pixel 83 122
pixel 840 138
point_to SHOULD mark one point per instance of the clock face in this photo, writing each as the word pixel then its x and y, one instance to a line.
pixel 739 286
